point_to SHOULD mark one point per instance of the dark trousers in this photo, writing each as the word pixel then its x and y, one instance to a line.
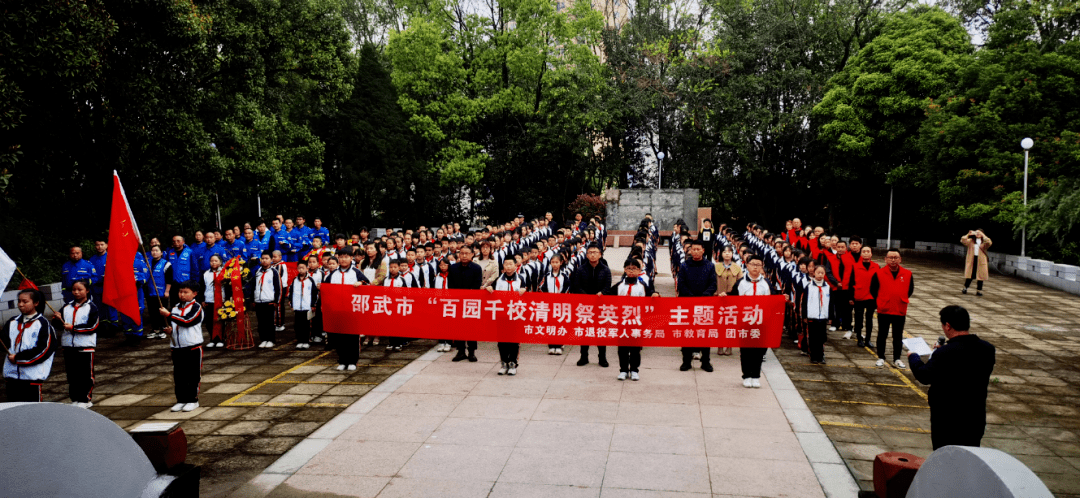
pixel 601 351
pixel 630 358
pixel 508 352
pixel 463 345
pixel 841 299
pixel 864 314
pixel 187 373
pixel 688 355
pixel 264 314
pixel 316 324
pixel 817 332
pixel 28 391
pixel 953 430
pixel 153 304
pixel 978 285
pixel 348 348
pixel 129 326
pixel 279 316
pixel 897 323
pixel 751 362
pixel 209 314
pixel 302 326
pixel 79 364
pixel 554 346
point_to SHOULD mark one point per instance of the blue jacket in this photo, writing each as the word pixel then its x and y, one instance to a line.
pixel 142 274
pixel 697 278
pixel 305 238
pixel 253 248
pixel 265 240
pixel 160 276
pixel 235 249
pixel 79 270
pixel 204 261
pixel 184 265
pixel 324 233
pixel 279 241
pixel 99 260
pixel 291 241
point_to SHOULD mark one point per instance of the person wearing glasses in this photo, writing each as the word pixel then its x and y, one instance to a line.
pixel 892 287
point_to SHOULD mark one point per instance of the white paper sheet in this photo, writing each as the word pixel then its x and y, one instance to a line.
pixel 918 346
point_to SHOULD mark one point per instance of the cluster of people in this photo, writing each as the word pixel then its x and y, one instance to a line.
pixel 829 283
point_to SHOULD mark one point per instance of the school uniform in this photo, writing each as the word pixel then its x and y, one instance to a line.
pixel 508 351
pixel 815 304
pixel 79 344
pixel 187 352
pixel 630 356
pixel 211 300
pixel 751 357
pixel 304 296
pixel 347 345
pixel 555 283
pixel 279 310
pixel 77 270
pixel 268 295
pixel 317 332
pixel 30 339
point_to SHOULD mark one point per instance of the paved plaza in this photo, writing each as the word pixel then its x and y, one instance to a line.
pixel 284 422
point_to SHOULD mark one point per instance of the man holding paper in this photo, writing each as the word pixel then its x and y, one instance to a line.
pixel 958 375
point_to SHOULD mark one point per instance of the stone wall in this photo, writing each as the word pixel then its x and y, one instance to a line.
pixel 626 208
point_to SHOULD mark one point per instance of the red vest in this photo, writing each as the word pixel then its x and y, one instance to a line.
pixel 834 262
pixel 862 280
pixel 849 267
pixel 892 297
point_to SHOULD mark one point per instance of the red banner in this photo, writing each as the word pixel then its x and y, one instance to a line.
pixel 477 315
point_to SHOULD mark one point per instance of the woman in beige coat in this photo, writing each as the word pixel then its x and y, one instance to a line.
pixel 977 244
pixel 728 272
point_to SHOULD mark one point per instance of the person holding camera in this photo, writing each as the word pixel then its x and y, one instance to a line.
pixel 976 263
pixel 958 374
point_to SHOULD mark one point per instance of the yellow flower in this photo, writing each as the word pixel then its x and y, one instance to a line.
pixel 232 315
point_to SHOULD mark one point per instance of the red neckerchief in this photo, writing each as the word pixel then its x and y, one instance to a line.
pixel 630 286
pixel 22 326
pixel 444 278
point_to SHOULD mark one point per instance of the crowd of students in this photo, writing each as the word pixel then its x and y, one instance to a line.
pixel 825 280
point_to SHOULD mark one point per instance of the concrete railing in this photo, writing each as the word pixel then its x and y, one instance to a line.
pixel 1041 271
pixel 9 299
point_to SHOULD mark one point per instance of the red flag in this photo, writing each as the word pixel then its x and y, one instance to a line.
pixel 120 291
pixel 27 284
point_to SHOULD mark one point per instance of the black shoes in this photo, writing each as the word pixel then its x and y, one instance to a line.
pixel 707 367
pixel 460 356
pixel 602 362
pixel 472 357
pixel 583 361
pixel 685 366
pixel 964 290
pixel 979 293
pixel 861 343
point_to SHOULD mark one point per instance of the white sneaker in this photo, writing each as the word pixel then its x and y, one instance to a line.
pixel 880 363
pixel 847 335
pixel 269 344
pixel 558 351
pixel 634 376
pixel 622 375
pixel 696 355
pixel 551 350
pixel 209 345
pixel 747 383
pixel 899 364
pixel 299 345
pixel 177 407
pixel 340 368
pixel 280 328
pixel 375 342
pixel 220 345
pixel 191 406
pixel 350 368
pixel 502 368
pixel 832 329
pixel 756 382
pixel 512 370
pixel 262 344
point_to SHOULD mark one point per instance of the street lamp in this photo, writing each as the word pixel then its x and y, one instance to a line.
pixel 1026 143
pixel 660 167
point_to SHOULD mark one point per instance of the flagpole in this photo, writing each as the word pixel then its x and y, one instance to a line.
pixel 150 268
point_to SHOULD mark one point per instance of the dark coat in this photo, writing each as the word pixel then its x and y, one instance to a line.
pixel 958 375
pixel 697 278
pixel 589 280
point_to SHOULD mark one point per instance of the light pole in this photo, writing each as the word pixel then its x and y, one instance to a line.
pixel 1026 143
pixel 660 167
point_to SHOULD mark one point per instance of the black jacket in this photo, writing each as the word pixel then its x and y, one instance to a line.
pixel 697 278
pixel 461 276
pixel 958 375
pixel 589 280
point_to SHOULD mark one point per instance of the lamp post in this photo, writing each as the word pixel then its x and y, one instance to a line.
pixel 1026 143
pixel 660 167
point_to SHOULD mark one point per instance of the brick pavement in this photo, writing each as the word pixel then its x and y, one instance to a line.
pixel 1034 392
